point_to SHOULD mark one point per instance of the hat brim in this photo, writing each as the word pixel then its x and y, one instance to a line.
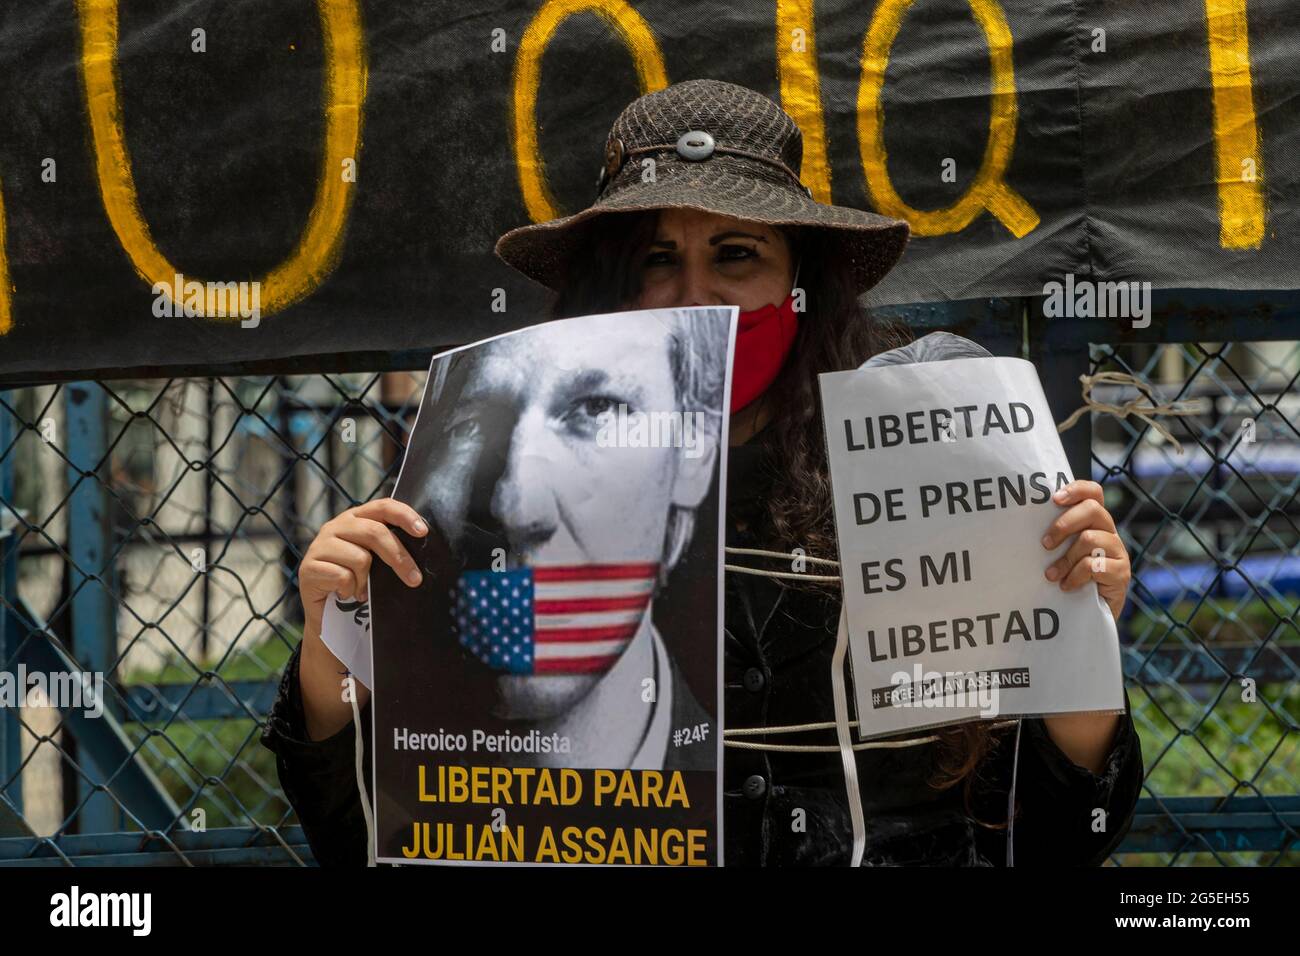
pixel 873 243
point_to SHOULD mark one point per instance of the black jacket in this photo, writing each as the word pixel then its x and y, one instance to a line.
pixel 790 809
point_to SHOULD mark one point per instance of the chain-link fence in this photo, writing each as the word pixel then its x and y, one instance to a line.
pixel 153 531
pixel 150 532
pixel 1210 636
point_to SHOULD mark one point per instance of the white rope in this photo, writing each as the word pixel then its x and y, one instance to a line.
pixel 786 729
pixel 801 728
pixel 783 574
pixel 815 748
pixel 784 555
pixel 759 552
pixel 829 748
pixel 1011 799
pixel 846 747
pixel 838 692
pixel 361 777
pixel 1134 407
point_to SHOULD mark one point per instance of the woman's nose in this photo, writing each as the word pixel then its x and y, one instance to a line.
pixel 698 287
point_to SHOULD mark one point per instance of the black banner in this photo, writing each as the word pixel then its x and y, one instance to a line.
pixel 339 170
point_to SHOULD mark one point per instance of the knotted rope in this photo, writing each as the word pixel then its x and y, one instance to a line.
pixel 1134 407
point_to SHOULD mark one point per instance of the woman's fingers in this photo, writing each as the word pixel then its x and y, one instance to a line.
pixel 346 554
pixel 1077 491
pixel 380 539
pixel 1097 546
pixel 392 511
pixel 1097 552
pixel 1088 513
pixel 1108 573
pixel 339 558
pixel 327 577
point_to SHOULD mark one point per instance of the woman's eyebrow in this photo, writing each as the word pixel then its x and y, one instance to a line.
pixel 671 244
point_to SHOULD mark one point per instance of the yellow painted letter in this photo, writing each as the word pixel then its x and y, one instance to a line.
pixel 6 315
pixel 1236 138
pixel 801 95
pixel 319 245
pixel 650 71
pixel 988 190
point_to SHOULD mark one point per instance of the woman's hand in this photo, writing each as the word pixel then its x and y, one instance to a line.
pixel 1087 738
pixel 338 559
pixel 1086 516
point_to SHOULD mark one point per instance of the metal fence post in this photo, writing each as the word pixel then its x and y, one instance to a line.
pixel 209 480
pixel 94 618
pixel 286 419
pixel 11 743
pixel 1059 350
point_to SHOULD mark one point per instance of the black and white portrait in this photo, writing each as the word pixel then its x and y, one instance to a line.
pixel 568 472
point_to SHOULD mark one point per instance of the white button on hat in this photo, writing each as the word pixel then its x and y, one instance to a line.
pixel 695 145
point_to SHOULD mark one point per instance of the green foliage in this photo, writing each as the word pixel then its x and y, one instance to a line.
pixel 219 766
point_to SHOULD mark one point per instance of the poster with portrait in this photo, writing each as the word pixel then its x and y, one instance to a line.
pixel 942 476
pixel 551 692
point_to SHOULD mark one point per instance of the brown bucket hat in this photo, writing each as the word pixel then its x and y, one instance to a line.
pixel 720 148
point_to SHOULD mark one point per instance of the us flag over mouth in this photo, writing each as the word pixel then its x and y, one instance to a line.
pixel 561 619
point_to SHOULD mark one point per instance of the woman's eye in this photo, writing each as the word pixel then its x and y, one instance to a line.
pixel 732 253
pixel 658 259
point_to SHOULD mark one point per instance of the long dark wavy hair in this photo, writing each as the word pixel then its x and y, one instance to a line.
pixel 836 332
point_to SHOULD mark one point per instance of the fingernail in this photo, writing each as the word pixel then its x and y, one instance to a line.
pixel 1047 541
pixel 1052 573
pixel 414 577
pixel 1060 494
pixel 420 527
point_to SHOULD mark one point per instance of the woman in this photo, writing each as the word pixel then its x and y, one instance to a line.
pixel 700 203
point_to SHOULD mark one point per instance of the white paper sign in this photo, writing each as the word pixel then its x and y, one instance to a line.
pixel 942 476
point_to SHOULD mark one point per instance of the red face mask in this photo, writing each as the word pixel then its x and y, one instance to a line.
pixel 764 338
